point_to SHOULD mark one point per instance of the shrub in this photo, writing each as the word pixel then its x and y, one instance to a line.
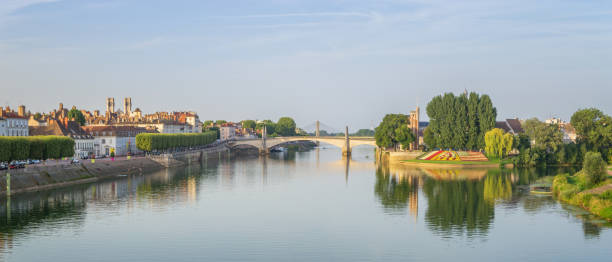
pixel 149 142
pixel 594 167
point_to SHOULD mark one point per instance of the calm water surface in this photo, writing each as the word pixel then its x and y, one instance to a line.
pixel 304 206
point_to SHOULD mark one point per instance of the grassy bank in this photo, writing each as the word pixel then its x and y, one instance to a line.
pixel 574 190
pixel 451 162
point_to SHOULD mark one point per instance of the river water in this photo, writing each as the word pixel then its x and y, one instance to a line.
pixel 302 206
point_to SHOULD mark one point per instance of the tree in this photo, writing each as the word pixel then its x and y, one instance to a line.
pixel 594 167
pixel 364 132
pixel 37 116
pixel 594 129
pixel 428 138
pixel 207 123
pixel 77 115
pixel 486 117
pixel 220 122
pixel 270 126
pixel 546 136
pixel 285 126
pixel 404 136
pixel 472 121
pixel 390 132
pixel 460 121
pixel 498 143
pixel 250 124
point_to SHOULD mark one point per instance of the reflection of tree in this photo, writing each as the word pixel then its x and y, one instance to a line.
pixel 31 209
pixel 591 230
pixel 497 186
pixel 455 206
pixel 392 192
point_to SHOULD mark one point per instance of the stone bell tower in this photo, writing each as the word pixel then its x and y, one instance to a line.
pixel 110 105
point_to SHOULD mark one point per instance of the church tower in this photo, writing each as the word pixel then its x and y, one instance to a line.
pixel 110 105
pixel 127 106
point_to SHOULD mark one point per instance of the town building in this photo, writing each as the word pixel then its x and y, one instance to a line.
pixel 512 126
pixel 83 142
pixel 120 139
pixel 16 123
pixel 227 131
pixel 162 122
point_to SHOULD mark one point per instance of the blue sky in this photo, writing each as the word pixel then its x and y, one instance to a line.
pixel 342 62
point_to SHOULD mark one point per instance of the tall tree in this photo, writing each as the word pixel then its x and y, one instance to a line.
pixel 460 121
pixel 486 118
pixel 472 120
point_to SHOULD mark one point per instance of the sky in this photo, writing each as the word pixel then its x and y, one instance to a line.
pixel 343 62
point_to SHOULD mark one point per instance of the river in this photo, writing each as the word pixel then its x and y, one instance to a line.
pixel 302 206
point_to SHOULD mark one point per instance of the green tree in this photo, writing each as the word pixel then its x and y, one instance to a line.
pixel 220 122
pixel 250 124
pixel 472 121
pixel 404 136
pixel 594 129
pixel 460 121
pixel 486 117
pixel 285 126
pixel 77 116
pixel 594 167
pixel 37 116
pixel 269 124
pixel 546 136
pixel 498 143
pixel 429 138
pixel 364 132
pixel 390 132
pixel 207 123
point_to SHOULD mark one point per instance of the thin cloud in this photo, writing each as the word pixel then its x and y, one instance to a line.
pixel 315 14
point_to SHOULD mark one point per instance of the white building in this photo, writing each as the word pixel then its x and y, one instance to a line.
pixel 3 127
pixel 16 126
pixel 227 132
pixel 120 139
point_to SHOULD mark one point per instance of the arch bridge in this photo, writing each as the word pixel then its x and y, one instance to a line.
pixel 346 143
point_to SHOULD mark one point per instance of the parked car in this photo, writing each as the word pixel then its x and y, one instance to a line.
pixel 3 166
pixel 74 161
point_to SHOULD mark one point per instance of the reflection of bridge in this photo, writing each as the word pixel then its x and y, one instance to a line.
pixel 346 143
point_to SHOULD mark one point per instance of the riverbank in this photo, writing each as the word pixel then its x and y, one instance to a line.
pixel 56 174
pixel 457 164
pixel 572 190
pixel 42 177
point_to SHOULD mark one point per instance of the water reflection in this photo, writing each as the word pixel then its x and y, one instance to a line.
pixel 463 201
pixel 263 205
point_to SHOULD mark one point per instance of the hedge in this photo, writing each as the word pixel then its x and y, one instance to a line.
pixel 35 147
pixel 149 142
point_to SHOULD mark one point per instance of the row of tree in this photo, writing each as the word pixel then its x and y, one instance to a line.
pixel 35 147
pixel 149 142
pixel 284 127
pixel 459 122
pixel 542 143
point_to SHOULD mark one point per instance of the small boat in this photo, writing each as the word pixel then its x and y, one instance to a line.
pixel 540 190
